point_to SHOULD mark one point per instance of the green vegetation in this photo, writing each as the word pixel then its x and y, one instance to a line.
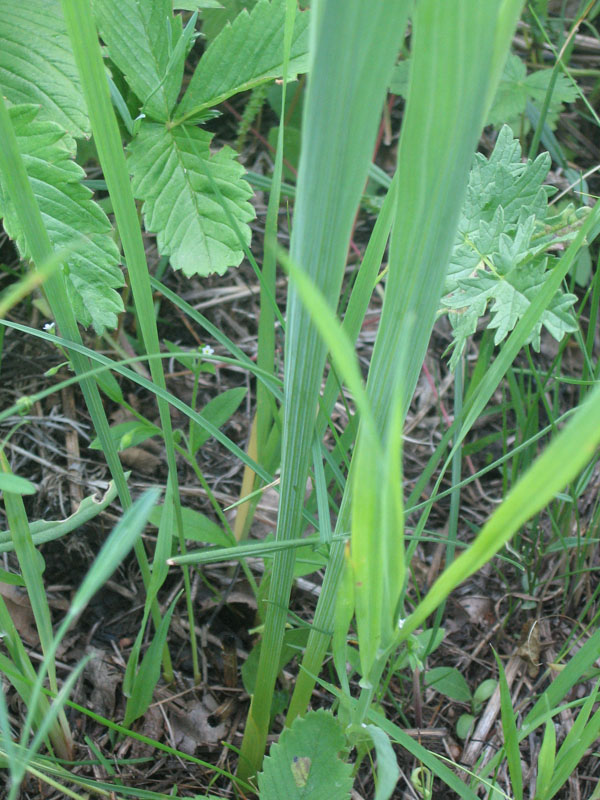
pixel 472 246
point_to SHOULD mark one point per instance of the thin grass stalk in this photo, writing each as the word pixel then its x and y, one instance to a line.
pixel 266 324
pixel 353 47
pixel 459 50
pixel 31 570
pixel 562 460
pixel 86 50
pixel 19 189
pixel 135 378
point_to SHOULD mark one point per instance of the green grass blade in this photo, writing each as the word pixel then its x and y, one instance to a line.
pixel 511 739
pixel 32 567
pixel 458 54
pixel 353 45
pixel 88 57
pixel 116 547
pixel 567 454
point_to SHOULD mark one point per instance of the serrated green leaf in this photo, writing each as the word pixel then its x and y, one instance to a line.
pixel 213 21
pixel 305 762
pixel 74 222
pixel 246 53
pixel 170 170
pixel 141 36
pixel 499 259
pixel 37 65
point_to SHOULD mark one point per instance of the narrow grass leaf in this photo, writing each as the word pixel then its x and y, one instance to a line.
pixel 32 568
pixel 567 454
pixel 511 739
pixel 458 53
pixel 352 46
pixel 147 676
pixel 423 755
pixel 546 761
pixel 15 484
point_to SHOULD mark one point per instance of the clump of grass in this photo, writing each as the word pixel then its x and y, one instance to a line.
pixel 432 215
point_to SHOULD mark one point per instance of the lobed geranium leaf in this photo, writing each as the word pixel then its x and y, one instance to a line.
pixel 141 36
pixel 175 175
pixel 74 222
pixel 499 258
pixel 37 65
pixel 517 87
pixel 246 53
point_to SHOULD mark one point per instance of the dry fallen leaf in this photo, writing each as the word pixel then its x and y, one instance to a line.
pixel 193 728
pixel 19 608
pixel 529 647
pixel 105 678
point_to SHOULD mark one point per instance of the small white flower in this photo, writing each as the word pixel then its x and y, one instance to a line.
pixel 401 623
pixel 49 327
pixel 207 350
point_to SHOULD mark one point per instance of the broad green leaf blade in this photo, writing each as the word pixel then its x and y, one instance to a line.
pixel 198 527
pixel 449 681
pixel 217 411
pixel 170 169
pixel 444 117
pixel 244 54
pixel 388 771
pixel 72 219
pixel 15 484
pixel 37 65
pixel 453 45
pixel 140 36
pixel 366 550
pixel 148 674
pixel 353 49
pixel 305 762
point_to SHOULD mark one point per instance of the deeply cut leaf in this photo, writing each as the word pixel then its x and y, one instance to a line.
pixel 36 63
pixel 244 54
pixel 72 219
pixel 499 256
pixel 140 36
pixel 170 169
